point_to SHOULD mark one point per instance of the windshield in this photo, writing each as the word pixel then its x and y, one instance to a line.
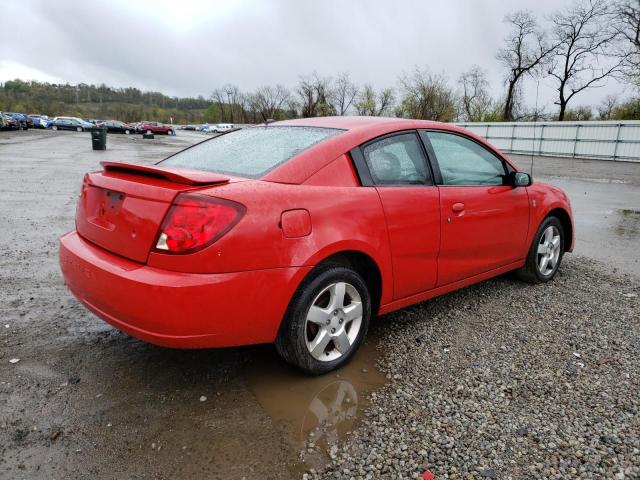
pixel 250 152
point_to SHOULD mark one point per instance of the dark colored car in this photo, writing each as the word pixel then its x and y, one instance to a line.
pixel 116 126
pixel 154 127
pixel 25 121
pixel 70 124
pixel 39 121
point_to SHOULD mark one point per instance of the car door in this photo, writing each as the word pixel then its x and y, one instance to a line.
pixel 484 219
pixel 396 166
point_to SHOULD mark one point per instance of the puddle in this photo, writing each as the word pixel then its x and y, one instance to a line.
pixel 315 411
pixel 629 223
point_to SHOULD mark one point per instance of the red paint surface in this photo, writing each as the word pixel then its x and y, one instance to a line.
pixel 425 241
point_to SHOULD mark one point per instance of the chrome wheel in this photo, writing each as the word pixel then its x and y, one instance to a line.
pixel 548 250
pixel 333 322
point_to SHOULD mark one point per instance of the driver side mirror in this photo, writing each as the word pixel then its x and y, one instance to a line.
pixel 520 179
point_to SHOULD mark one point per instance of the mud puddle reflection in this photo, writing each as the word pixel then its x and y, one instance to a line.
pixel 316 412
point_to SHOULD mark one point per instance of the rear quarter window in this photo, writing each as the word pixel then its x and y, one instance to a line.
pixel 250 152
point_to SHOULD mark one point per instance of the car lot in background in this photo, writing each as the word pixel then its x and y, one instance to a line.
pixel 7 122
pixel 24 120
pixel 40 121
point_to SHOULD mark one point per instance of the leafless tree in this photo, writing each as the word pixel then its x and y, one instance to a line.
pixel 230 102
pixel 427 97
pixel 268 102
pixel 314 93
pixel 372 103
pixel 526 50
pixel 476 102
pixel 607 107
pixel 344 93
pixel 627 24
pixel 583 35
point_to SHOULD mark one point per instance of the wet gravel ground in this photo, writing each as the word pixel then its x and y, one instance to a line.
pixel 499 380
pixel 508 380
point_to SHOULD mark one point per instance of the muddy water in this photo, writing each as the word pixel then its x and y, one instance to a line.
pixel 316 412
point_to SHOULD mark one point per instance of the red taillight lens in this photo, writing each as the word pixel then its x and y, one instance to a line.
pixel 196 221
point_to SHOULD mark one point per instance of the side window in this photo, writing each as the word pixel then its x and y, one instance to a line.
pixel 463 162
pixel 397 160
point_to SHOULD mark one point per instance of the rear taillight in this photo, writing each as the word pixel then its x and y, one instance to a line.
pixel 195 221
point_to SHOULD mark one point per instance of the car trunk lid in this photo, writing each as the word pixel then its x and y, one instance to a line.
pixel 121 208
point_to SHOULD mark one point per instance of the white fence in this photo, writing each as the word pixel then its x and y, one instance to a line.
pixel 605 140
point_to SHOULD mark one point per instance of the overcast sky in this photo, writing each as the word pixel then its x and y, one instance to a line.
pixel 189 48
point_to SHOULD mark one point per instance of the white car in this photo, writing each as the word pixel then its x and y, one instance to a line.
pixel 221 127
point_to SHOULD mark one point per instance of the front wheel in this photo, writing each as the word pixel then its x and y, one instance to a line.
pixel 54 128
pixel 78 129
pixel 326 321
pixel 126 132
pixel 545 254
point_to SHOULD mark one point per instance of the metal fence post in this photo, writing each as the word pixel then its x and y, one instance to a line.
pixel 615 148
pixel 575 142
pixel 541 138
pixel 513 134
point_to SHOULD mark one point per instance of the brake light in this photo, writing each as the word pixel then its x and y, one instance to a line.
pixel 195 221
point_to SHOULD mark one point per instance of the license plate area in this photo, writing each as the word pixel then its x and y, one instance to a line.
pixel 104 206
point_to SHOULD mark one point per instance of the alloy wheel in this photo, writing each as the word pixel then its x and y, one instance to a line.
pixel 333 322
pixel 548 250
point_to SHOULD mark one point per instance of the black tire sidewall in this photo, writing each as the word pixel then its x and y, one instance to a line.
pixel 292 333
pixel 533 254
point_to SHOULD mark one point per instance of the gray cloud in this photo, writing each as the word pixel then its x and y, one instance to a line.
pixel 191 48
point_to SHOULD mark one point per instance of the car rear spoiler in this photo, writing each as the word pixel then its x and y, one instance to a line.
pixel 176 175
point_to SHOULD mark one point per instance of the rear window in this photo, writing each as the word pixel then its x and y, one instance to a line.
pixel 250 152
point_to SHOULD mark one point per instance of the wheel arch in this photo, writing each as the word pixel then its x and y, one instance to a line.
pixel 567 226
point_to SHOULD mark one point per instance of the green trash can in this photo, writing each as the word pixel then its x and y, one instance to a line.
pixel 99 138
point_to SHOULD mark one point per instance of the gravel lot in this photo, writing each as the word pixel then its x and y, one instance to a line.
pixel 500 380
pixel 508 380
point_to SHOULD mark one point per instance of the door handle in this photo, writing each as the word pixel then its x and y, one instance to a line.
pixel 457 207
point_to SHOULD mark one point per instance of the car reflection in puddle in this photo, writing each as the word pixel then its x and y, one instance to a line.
pixel 316 412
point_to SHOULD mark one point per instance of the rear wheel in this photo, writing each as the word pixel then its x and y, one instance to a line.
pixel 326 321
pixel 78 129
pixel 126 132
pixel 54 127
pixel 545 254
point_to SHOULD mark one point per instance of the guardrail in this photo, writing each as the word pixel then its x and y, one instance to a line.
pixel 603 140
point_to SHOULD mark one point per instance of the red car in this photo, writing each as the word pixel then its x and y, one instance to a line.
pixel 154 127
pixel 300 231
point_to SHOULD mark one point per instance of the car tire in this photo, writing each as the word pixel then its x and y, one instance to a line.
pixel 326 338
pixel 79 129
pixel 54 127
pixel 127 132
pixel 545 254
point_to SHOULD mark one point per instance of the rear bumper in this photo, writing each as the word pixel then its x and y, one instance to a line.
pixel 178 309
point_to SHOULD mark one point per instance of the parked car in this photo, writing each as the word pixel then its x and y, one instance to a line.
pixel 24 120
pixel 155 127
pixel 223 127
pixel 8 122
pixel 39 121
pixel 202 128
pixel 300 231
pixel 71 123
pixel 116 126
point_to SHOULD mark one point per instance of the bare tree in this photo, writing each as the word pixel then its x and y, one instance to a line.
pixel 476 102
pixel 230 101
pixel 526 50
pixel 607 107
pixel 344 93
pixel 583 35
pixel 427 97
pixel 268 101
pixel 314 93
pixel 374 104
pixel 627 24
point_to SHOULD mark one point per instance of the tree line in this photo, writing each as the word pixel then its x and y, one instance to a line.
pixel 576 48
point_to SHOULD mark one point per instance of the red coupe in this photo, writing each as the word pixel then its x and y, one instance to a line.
pixel 299 232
